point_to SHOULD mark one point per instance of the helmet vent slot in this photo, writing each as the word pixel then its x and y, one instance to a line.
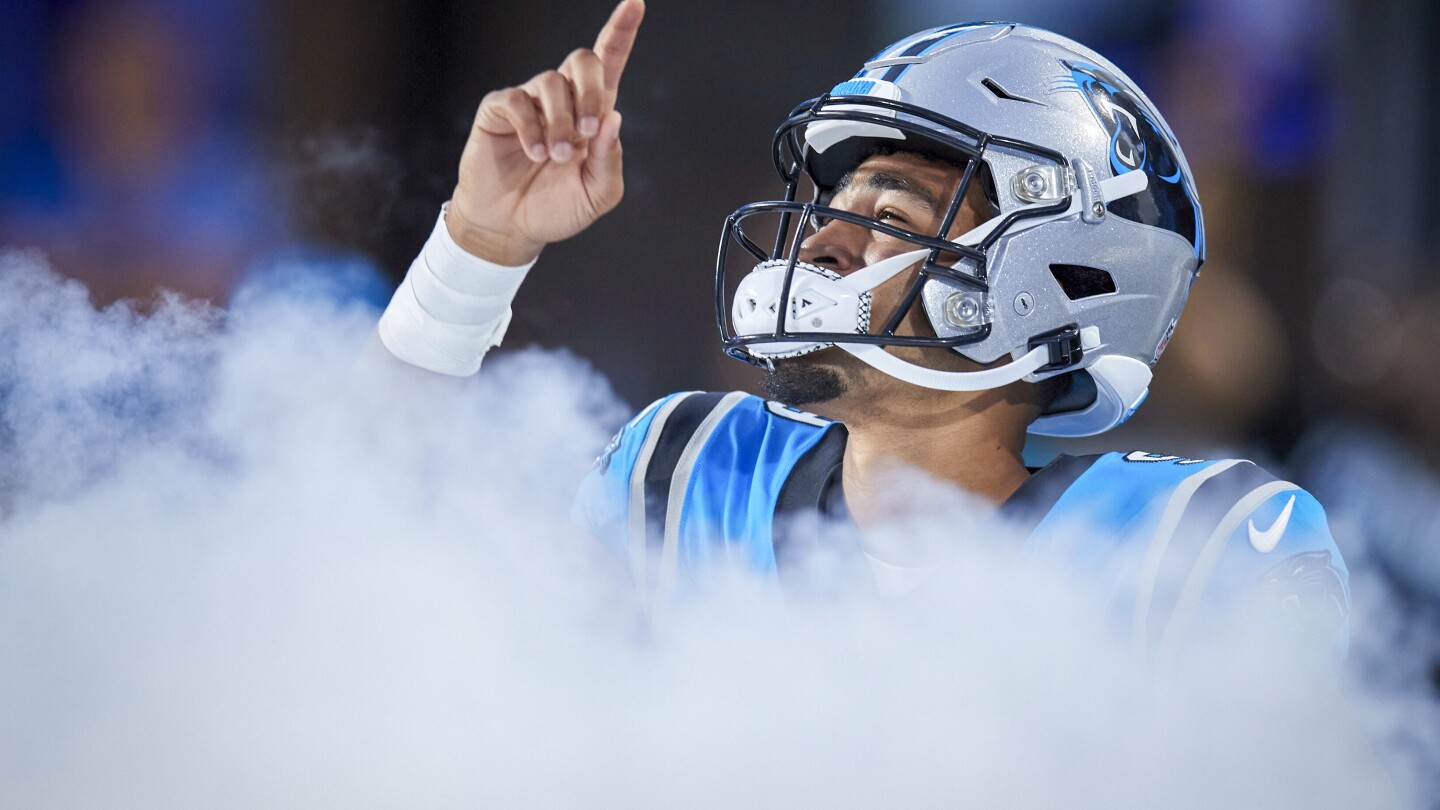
pixel 1079 281
pixel 1000 92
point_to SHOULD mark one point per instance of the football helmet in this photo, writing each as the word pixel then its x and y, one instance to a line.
pixel 1094 240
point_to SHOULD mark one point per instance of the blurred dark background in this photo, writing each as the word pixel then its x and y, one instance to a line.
pixel 149 144
pixel 182 144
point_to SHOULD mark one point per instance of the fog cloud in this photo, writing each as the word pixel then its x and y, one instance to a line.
pixel 238 571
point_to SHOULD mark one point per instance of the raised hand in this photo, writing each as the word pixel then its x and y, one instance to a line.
pixel 543 160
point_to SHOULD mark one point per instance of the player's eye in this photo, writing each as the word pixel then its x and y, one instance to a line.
pixel 892 216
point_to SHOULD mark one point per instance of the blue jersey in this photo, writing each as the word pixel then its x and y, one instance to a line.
pixel 698 479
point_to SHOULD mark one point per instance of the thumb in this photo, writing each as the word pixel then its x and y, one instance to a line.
pixel 604 175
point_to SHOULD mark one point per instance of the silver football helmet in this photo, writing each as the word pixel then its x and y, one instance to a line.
pixel 1095 238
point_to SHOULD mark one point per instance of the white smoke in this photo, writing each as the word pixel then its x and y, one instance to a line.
pixel 238 571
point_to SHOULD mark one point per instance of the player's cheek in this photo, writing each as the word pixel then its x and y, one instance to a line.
pixel 890 295
pixel 916 323
pixel 882 246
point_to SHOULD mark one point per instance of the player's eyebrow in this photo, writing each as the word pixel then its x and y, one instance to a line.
pixel 888 181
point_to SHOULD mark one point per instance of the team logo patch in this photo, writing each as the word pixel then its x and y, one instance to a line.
pixel 1310 593
pixel 1138 141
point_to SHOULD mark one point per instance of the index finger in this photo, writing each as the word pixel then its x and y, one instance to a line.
pixel 617 38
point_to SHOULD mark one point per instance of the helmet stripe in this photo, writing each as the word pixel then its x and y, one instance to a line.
pixel 919 45
pixel 915 43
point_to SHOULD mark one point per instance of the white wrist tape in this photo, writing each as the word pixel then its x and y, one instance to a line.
pixel 452 307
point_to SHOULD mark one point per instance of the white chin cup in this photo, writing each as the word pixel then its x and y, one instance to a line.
pixel 820 301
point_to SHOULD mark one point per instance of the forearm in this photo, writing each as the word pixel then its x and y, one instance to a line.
pixel 451 309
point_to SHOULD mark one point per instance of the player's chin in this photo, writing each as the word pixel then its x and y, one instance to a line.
pixel 809 380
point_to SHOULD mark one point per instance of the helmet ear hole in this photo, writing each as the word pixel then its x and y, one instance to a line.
pixel 1078 281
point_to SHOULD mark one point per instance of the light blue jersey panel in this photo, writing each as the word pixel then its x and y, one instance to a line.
pixel 729 507
pixel 1098 528
pixel 1106 507
pixel 729 456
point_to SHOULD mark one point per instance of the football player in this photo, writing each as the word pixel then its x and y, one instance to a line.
pixel 988 231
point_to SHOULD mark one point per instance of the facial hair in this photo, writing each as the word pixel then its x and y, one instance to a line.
pixel 802 381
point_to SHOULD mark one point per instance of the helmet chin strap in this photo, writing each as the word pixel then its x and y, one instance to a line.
pixel 1013 371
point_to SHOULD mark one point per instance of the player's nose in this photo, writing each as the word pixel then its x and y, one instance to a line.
pixel 837 246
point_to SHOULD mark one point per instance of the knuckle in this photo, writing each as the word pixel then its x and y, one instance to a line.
pixel 515 95
pixel 491 100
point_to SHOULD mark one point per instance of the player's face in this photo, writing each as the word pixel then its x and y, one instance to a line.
pixel 909 192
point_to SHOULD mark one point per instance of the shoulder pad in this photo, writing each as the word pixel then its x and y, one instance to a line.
pixel 1226 528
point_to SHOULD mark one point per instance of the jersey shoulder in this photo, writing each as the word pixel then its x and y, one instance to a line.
pixel 1155 495
pixel 1210 534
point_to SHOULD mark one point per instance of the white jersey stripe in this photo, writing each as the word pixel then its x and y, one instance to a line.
pixel 1160 542
pixel 638 531
pixel 679 483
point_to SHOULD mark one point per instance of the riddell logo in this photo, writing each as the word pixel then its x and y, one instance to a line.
pixel 1165 339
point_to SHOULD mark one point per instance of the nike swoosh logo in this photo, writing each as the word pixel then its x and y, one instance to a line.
pixel 1153 458
pixel 1265 542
